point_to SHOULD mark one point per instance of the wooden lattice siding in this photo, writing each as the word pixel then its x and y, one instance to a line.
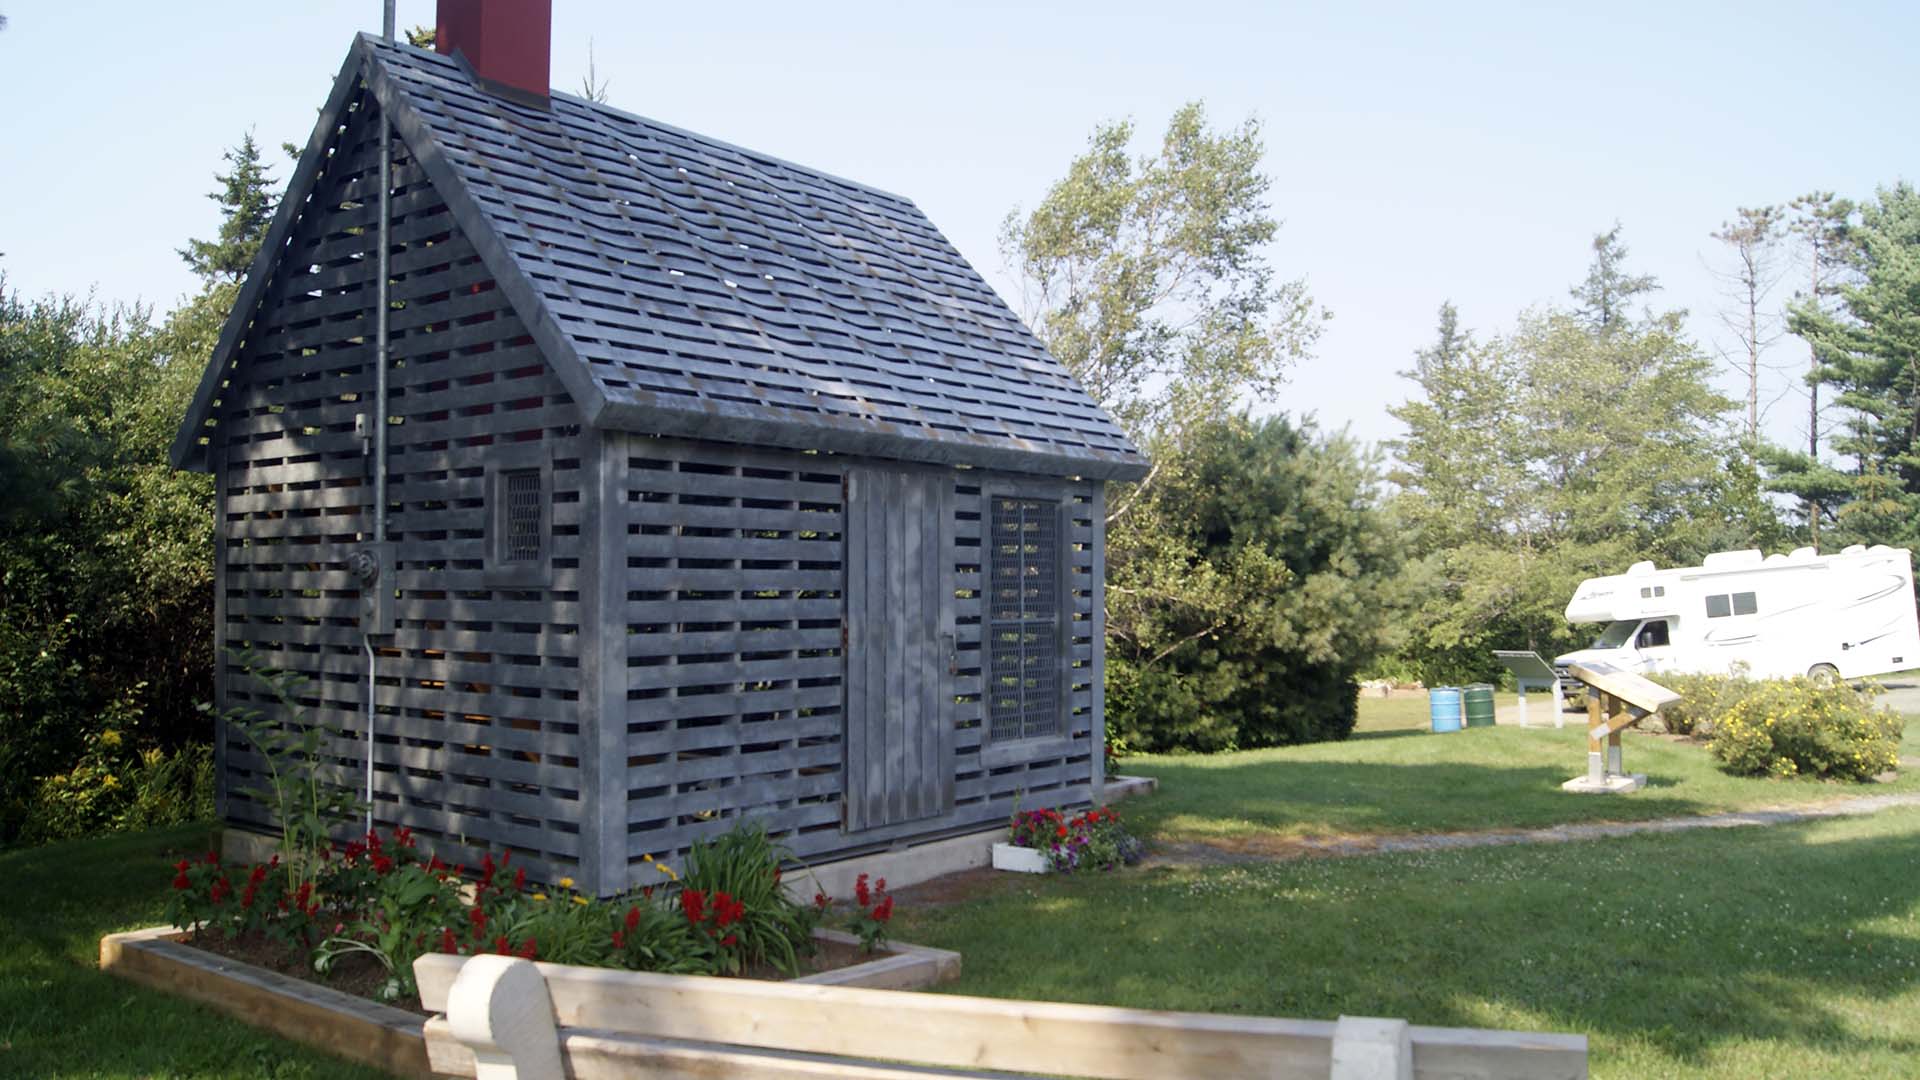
pixel 478 699
pixel 735 683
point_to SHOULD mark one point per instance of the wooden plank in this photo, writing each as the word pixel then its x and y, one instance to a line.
pixel 603 673
pixel 636 1011
pixel 933 1029
pixel 342 1024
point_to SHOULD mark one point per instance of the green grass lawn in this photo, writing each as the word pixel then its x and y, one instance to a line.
pixel 61 1017
pixel 1791 951
pixel 1395 776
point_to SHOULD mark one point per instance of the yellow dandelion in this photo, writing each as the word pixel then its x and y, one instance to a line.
pixel 581 900
pixel 565 883
pixel 539 896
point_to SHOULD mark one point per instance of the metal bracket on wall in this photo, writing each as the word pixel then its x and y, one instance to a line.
pixel 372 567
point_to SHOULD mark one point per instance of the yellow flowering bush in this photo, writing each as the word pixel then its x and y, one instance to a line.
pixel 1793 727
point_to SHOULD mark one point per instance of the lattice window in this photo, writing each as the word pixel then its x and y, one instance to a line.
pixel 520 515
pixel 1023 622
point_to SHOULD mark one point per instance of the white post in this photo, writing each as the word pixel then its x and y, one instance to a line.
pixel 1559 705
pixel 499 1009
pixel 1523 703
pixel 1369 1048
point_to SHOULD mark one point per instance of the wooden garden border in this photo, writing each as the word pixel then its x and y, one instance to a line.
pixel 380 1035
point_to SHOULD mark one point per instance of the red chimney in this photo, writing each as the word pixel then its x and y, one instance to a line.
pixel 507 43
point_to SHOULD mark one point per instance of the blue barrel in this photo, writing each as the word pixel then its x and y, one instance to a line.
pixel 1443 705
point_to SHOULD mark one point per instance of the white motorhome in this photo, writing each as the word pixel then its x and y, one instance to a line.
pixel 1849 615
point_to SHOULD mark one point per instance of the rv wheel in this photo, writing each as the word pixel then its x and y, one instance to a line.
pixel 1823 674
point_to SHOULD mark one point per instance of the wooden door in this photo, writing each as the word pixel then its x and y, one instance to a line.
pixel 899 647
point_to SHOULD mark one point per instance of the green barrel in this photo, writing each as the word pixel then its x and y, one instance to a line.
pixel 1479 705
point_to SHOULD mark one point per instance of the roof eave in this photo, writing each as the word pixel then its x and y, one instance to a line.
pixel 1008 456
pixel 187 451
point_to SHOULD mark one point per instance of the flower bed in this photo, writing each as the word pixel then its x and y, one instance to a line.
pixel 362 912
pixel 1093 840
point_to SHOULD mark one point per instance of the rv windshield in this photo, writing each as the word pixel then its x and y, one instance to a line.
pixel 1615 635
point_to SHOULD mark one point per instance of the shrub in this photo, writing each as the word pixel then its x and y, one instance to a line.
pixel 1703 700
pixel 1794 727
pixel 115 787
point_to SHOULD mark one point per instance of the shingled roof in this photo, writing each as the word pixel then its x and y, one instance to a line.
pixel 683 286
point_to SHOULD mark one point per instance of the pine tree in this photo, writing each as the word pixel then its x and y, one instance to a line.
pixel 247 204
pixel 1601 300
pixel 1869 351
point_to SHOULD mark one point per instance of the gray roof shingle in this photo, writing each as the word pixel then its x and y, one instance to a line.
pixel 684 286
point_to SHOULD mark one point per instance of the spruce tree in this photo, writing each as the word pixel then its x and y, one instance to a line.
pixel 246 200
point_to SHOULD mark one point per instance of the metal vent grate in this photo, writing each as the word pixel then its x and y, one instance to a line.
pixel 522 515
pixel 1023 619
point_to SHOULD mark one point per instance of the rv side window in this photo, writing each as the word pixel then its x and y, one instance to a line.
pixel 1718 607
pixel 1743 603
pixel 1653 636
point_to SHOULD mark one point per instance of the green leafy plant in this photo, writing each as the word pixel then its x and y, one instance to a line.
pixel 303 803
pixel 732 897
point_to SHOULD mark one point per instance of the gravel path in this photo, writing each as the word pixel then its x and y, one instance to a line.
pixel 1255 850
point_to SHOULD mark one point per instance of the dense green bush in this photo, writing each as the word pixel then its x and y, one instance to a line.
pixel 1795 727
pixel 1249 627
pixel 1703 700
pixel 115 788
pixel 106 600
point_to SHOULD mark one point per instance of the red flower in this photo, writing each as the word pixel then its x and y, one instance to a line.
pixel 211 858
pixel 726 910
pixel 646 891
pixel 180 881
pixel 257 875
pixel 694 903
pixel 182 865
pixel 486 870
pixel 727 942
pixel 382 864
pixel 820 900
pixel 633 918
pixel 304 894
pixel 219 890
pixel 500 946
pixel 528 951
pixel 860 891
pixel 519 878
pixel 884 911
pixel 448 943
pixel 403 837
pixel 435 864
pixel 880 886
pixel 479 920
pixel 619 940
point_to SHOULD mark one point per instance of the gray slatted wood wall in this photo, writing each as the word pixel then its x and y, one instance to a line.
pixel 736 691
pixel 693 593
pixel 900 638
pixel 478 697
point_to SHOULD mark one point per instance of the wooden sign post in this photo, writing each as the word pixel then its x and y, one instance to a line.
pixel 1616 699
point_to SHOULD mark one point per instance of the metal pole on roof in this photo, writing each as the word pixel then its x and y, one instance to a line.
pixel 382 306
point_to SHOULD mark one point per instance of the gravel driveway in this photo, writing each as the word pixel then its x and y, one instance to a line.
pixel 1903 695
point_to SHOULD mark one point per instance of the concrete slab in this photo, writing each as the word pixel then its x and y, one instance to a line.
pixel 1615 784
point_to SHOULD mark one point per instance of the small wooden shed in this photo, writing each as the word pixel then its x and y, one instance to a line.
pixel 718 487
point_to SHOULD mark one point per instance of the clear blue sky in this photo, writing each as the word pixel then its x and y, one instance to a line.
pixel 1420 152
